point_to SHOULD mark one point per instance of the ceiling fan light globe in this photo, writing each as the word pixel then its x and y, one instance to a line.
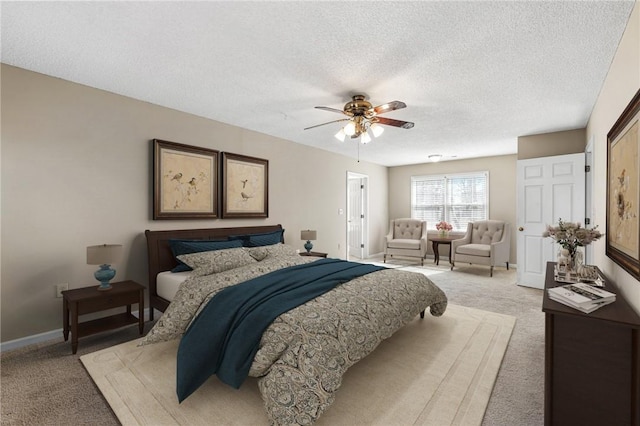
pixel 350 129
pixel 341 135
pixel 365 138
pixel 377 129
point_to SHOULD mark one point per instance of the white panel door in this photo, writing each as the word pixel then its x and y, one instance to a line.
pixel 548 189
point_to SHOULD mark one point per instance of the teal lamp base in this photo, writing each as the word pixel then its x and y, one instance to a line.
pixel 104 275
pixel 308 246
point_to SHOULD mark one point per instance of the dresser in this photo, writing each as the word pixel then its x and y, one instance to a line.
pixel 592 362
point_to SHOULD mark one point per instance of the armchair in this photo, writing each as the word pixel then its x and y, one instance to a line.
pixel 487 242
pixel 406 238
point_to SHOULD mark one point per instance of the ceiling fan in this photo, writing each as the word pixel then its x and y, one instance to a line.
pixel 364 118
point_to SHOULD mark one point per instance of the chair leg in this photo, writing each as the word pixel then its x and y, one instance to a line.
pixel 385 258
pixel 452 265
pixel 491 273
pixel 507 266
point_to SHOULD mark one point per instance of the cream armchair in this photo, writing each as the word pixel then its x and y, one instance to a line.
pixel 406 238
pixel 487 242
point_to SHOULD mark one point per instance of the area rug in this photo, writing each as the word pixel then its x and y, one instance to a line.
pixel 434 371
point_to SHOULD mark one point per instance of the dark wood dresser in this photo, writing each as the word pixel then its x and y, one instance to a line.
pixel 592 362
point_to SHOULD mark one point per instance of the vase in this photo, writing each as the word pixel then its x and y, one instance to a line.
pixel 577 261
pixel 564 260
pixel 443 233
pixel 571 263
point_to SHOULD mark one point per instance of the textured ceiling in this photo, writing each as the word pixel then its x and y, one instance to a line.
pixel 474 75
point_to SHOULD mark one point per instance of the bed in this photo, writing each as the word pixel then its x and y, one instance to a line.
pixel 161 258
pixel 303 353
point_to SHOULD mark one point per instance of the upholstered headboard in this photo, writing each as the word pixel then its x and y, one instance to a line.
pixel 160 257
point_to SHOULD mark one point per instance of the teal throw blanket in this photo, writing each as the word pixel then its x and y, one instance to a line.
pixel 225 336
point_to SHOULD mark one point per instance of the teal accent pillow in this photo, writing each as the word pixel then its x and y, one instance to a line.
pixel 259 240
pixel 180 247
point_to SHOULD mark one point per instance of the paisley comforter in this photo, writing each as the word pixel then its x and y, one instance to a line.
pixel 305 351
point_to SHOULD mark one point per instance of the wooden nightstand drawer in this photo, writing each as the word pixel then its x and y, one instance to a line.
pixel 313 254
pixel 107 301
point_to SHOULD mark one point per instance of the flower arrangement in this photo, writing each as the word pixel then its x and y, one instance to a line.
pixel 571 235
pixel 443 226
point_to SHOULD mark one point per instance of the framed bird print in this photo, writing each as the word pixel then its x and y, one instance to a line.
pixel 185 181
pixel 623 189
pixel 245 186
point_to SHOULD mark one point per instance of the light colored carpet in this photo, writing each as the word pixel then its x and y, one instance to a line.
pixel 518 395
pixel 436 371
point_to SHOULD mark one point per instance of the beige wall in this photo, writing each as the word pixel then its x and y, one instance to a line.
pixel 502 186
pixel 549 144
pixel 621 84
pixel 77 171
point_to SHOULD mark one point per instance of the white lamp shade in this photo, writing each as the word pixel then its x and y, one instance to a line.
pixel 350 129
pixel 105 254
pixel 308 235
pixel 341 135
pixel 365 138
pixel 377 129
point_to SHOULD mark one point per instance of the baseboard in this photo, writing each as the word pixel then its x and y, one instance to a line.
pixel 444 258
pixel 46 336
pixel 30 340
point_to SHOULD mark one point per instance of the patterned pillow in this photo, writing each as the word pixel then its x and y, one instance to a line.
pixel 180 247
pixel 259 240
pixel 212 262
pixel 275 250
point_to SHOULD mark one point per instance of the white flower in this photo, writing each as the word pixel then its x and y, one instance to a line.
pixel 571 235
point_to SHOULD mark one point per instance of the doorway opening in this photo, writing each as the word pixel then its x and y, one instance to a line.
pixel 357 216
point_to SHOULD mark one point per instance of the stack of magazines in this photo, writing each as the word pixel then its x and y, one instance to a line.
pixel 581 296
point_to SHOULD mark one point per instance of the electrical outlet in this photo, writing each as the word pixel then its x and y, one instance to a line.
pixel 60 288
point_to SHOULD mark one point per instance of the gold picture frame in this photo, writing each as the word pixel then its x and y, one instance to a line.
pixel 245 186
pixel 623 189
pixel 185 181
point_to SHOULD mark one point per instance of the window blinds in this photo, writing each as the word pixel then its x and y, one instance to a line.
pixel 457 199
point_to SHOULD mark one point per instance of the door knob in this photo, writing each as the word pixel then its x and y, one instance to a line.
pixel 521 229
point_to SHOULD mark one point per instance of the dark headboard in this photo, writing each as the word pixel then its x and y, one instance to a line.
pixel 160 257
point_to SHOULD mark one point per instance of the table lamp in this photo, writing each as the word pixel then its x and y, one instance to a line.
pixel 104 255
pixel 309 236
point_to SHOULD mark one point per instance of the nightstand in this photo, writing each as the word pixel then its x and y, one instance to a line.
pixel 313 253
pixel 87 300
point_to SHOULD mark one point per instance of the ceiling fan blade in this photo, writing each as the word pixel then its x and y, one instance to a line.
pixel 329 122
pixel 395 123
pixel 339 111
pixel 391 106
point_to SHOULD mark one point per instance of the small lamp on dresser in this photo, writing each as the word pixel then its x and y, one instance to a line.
pixel 309 236
pixel 104 255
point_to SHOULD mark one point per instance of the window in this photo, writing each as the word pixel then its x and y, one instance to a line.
pixel 457 199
